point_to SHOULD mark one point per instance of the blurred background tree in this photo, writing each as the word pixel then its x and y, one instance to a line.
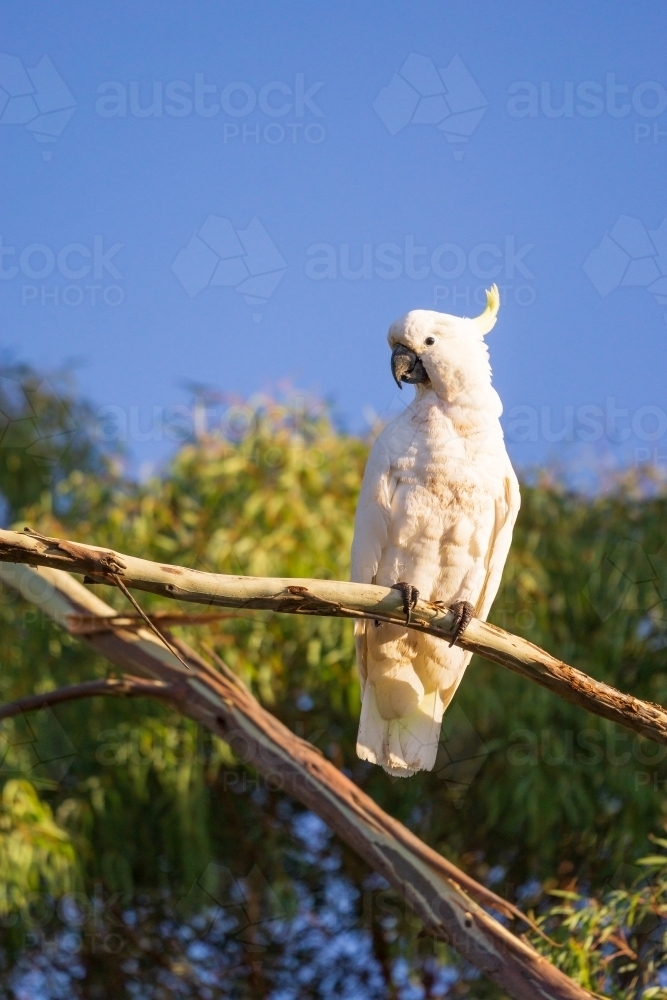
pixel 143 857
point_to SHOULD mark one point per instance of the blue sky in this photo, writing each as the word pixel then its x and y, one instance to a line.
pixel 189 190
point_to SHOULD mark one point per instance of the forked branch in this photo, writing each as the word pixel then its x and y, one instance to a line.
pixel 448 902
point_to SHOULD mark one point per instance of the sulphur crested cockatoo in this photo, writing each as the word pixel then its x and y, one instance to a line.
pixel 435 516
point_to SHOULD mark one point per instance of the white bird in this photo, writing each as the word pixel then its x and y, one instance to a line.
pixel 435 516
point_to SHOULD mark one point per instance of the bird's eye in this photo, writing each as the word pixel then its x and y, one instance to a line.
pixel 430 341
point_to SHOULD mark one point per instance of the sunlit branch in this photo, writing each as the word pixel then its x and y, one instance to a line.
pixel 342 600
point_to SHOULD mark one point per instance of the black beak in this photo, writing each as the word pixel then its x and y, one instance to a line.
pixel 406 366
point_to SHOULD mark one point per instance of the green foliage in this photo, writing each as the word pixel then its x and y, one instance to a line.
pixel 615 944
pixel 527 791
pixel 36 854
pixel 46 430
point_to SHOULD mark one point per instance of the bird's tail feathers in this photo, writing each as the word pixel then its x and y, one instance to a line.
pixel 402 746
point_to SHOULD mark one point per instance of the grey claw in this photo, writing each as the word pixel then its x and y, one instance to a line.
pixel 410 598
pixel 464 613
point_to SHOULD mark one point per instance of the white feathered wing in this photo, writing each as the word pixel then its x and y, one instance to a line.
pixel 403 702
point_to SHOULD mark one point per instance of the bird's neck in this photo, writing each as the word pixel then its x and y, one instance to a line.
pixel 471 412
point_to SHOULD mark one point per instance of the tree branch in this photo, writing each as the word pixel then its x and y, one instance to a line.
pixel 126 686
pixel 342 600
pixel 441 895
pixel 87 624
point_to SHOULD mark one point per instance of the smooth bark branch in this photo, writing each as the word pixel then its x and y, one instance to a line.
pixel 342 600
pixel 443 897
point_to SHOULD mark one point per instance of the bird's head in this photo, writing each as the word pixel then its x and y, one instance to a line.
pixel 434 350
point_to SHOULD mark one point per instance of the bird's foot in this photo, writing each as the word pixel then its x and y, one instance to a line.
pixel 410 598
pixel 464 612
